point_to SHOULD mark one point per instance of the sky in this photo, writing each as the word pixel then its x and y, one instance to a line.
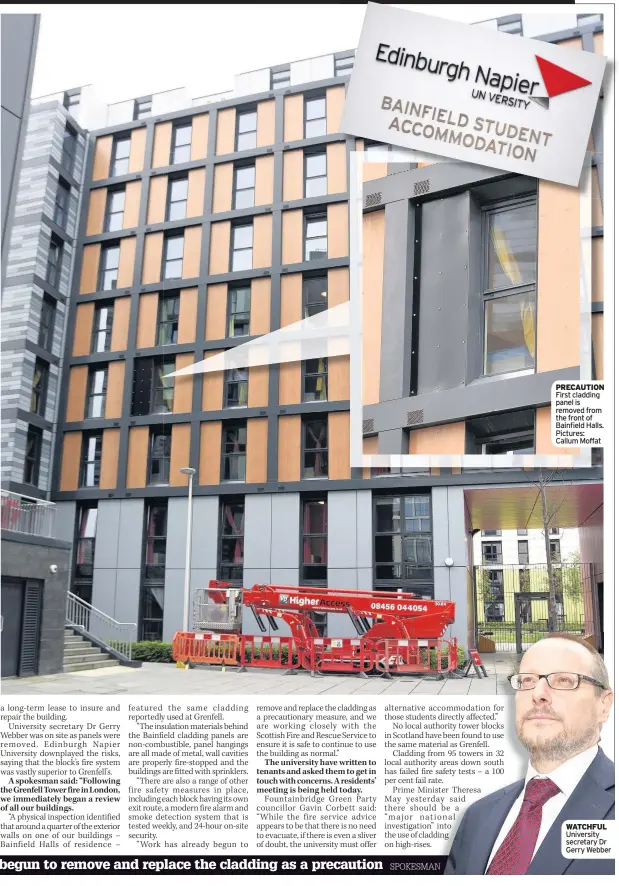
pixel 129 50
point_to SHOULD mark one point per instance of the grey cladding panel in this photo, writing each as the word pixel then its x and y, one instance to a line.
pixel 444 294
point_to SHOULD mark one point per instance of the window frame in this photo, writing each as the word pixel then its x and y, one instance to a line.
pixel 523 552
pixel 423 582
pixel 225 568
pixel 91 395
pixel 165 324
pixel 152 577
pixel 62 207
pixel 233 288
pixel 169 202
pixel 236 190
pixel 306 501
pixel 118 140
pixel 176 127
pixel 243 249
pixel 496 556
pixel 238 134
pixel 307 219
pixel 167 238
pixel 33 462
pixel 155 387
pixel 240 383
pixel 240 454
pixel 84 578
pixel 109 215
pixel 97 436
pixel 307 99
pixel 106 249
pixel 322 450
pixel 47 323
pixel 54 269
pixel 324 374
pixel 156 432
pixel 69 155
pixel 307 280
pixel 307 155
pixel 98 330
pixel 38 397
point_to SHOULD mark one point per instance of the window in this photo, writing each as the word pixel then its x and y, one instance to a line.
pixel 159 457
pixel 61 208
pixel 32 459
pixel 152 392
pixel 510 444
pixel 523 552
pixel 108 267
pixel 163 388
pixel 46 327
pixel 554 531
pixel 315 175
pixel 314 542
pixel 315 379
pixel 97 390
pixel 491 532
pixel 315 117
pixel 167 320
pixel 239 304
pixel 181 143
pixel 173 248
pixel 143 108
pixel 344 65
pixel 280 79
pixel 102 328
pixel 315 237
pixel 242 247
pixel 502 433
pixel 39 387
pixel 91 459
pixel 403 542
pixel 230 567
pixel 54 262
pixel 177 199
pixel 491 585
pixel 69 144
pixel 492 552
pixel 235 387
pixel 120 156
pixel 152 590
pixel 509 295
pixel 244 187
pixel 315 451
pixel 521 532
pixel 234 448
pixel 555 550
pixel 247 130
pixel 114 210
pixel 85 552
pixel 314 296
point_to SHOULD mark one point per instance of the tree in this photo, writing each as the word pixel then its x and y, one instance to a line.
pixel 550 509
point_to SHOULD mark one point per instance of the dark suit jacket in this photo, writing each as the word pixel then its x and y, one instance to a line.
pixel 593 799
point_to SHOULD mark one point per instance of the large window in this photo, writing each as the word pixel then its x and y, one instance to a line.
pixel 244 187
pixel 114 210
pixel 152 391
pixel 173 248
pixel 555 550
pixel 314 542
pixel 315 448
pixel 315 175
pixel 163 388
pixel 242 247
pixel 32 459
pixel 167 320
pixel 315 237
pixel 178 189
pixel 315 117
pixel 509 291
pixel 239 306
pixel 314 296
pixel 61 207
pixel 108 267
pixel 492 552
pixel 315 380
pixel 233 451
pixel 54 262
pixel 97 390
pixel 523 552
pixel 85 552
pixel 156 534
pixel 91 460
pixel 46 327
pixel 120 156
pixel 403 542
pixel 230 565
pixel 181 143
pixel 152 590
pixel 159 457
pixel 69 144
pixel 247 130
pixel 235 387
pixel 39 387
pixel 102 328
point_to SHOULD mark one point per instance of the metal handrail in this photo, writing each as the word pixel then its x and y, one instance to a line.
pixel 32 516
pixel 116 635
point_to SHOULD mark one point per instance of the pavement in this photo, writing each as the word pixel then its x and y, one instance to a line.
pixel 167 679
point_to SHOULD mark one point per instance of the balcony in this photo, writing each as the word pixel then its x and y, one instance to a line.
pixel 30 516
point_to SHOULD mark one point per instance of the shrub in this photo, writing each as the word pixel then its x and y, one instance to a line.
pixel 152 650
pixel 462 657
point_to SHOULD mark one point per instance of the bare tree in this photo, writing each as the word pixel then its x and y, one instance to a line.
pixel 550 510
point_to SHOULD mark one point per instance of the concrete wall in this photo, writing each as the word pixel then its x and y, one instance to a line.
pixel 450 541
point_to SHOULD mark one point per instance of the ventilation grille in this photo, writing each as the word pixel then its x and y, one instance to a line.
pixel 375 199
pixel 421 188
pixel 414 418
pixel 29 653
pixel 368 425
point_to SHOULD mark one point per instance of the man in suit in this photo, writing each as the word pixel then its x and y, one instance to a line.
pixel 562 700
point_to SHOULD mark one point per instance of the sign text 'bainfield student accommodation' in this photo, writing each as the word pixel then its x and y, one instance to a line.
pixel 464 92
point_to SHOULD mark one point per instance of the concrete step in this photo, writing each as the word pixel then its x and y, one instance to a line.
pixel 88 655
pixel 77 643
pixel 89 666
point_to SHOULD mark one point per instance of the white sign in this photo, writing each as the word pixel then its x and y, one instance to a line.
pixel 465 92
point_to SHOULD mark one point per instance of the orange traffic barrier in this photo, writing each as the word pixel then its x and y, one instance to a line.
pixel 217 649
pixel 341 654
pixel 415 656
pixel 269 652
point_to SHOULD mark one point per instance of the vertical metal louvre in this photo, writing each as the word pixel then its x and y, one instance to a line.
pixel 31 626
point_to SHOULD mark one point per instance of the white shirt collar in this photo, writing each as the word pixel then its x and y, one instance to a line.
pixel 568 774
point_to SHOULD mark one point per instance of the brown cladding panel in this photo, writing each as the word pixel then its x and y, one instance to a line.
pixel 370 447
pixel 162 147
pixel 71 459
pixel 222 187
pixel 210 453
pixel 372 171
pixel 335 106
pixel 132 204
pixel 82 337
pixel 76 397
pixel 183 385
pixel 373 259
pixel 292 236
pixel 543 432
pixel 137 458
pixel 90 267
pixel 336 168
pixel 264 180
pixel 220 248
pixel 597 335
pixel 337 230
pixel 446 439
pixel 257 435
pixel 337 285
pixel 597 269
pixel 226 127
pixel 147 320
pixel 109 458
pixel 260 313
pixel 96 211
pixel 103 157
pixel 120 325
pixel 265 135
pixel 263 252
pixel 293 175
pixel 212 387
pixel 339 446
pixel 115 383
pixel 191 253
pixel 293 118
pixel 153 251
pixel 573 43
pixel 338 378
pixel 216 311
pixel 199 136
pixel 291 299
pixel 179 455
pixel 258 386
pixel 289 448
pixel 195 193
pixel 157 199
pixel 187 316
pixel 126 262
pixel 289 383
pixel 136 154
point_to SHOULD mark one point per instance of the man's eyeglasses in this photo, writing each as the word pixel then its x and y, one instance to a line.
pixel 558 680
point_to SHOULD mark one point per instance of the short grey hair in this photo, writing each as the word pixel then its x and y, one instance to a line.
pixel 599 669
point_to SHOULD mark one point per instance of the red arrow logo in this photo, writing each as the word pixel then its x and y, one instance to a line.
pixel 558 80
